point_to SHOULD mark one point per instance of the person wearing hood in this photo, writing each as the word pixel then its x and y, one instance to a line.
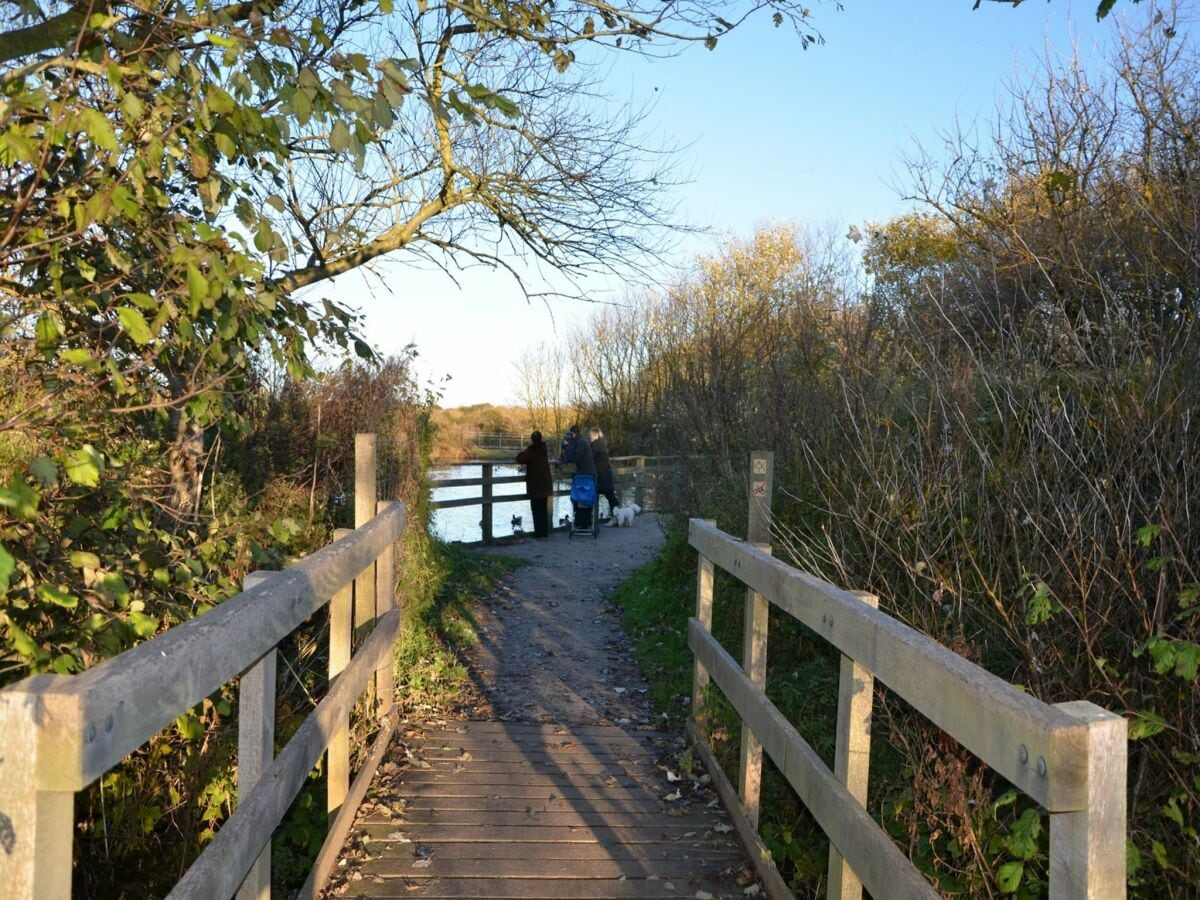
pixel 605 482
pixel 539 483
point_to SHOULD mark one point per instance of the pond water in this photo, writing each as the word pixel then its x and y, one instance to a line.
pixel 463 523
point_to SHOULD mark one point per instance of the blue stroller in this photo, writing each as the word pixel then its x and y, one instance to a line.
pixel 586 519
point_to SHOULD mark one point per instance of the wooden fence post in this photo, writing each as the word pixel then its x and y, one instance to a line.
pixel 365 499
pixel 639 487
pixel 37 826
pixel 754 628
pixel 256 746
pixel 486 522
pixel 852 754
pixel 1087 847
pixel 385 596
pixel 341 627
pixel 704 614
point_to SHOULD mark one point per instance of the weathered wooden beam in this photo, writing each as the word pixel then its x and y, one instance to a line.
pixel 341 632
pixel 852 755
pixel 256 747
pixel 1087 847
pixel 883 868
pixel 1007 729
pixel 385 596
pixel 226 860
pixel 112 709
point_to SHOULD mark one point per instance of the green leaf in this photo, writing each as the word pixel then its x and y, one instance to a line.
pixel 143 625
pixel 1008 878
pixel 83 466
pixel 301 106
pixel 1145 724
pixel 1146 535
pixel 134 324
pixel 8 565
pixel 82 559
pixel 77 356
pixel 1104 8
pixel 1023 842
pixel 47 331
pixel 57 595
pixel 98 128
pixel 45 471
pixel 339 138
pixel 1159 852
pixel 20 498
pixel 24 644
pixel 197 284
pixel 190 727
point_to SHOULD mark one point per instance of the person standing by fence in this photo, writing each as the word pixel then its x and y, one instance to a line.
pixel 605 483
pixel 539 483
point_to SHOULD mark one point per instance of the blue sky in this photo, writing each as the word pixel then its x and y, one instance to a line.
pixel 772 133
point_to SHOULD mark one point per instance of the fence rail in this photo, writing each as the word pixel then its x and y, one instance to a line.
pixel 1069 757
pixel 60 733
pixel 631 473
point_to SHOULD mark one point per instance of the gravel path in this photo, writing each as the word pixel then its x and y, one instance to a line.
pixel 551 647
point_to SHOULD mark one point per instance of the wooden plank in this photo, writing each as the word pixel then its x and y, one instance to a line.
pixel 644 803
pixel 226 860
pixel 705 572
pixel 540 779
pixel 574 818
pixel 537 866
pixel 475 482
pixel 524 730
pixel 419 791
pixel 341 632
pixel 773 883
pixel 121 703
pixel 729 851
pixel 539 888
pixel 37 826
pixel 755 618
pixel 256 747
pixel 385 596
pixel 884 870
pixel 987 715
pixel 852 755
pixel 1087 848
pixel 487 503
pixel 366 482
pixel 550 834
pixel 327 857
pixel 538 756
pixel 549 767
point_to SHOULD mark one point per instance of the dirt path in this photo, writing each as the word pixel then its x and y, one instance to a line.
pixel 551 647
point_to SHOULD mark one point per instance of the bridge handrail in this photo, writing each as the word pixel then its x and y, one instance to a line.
pixel 59 733
pixel 1069 757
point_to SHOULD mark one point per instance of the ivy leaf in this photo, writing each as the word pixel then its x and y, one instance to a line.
pixel 45 471
pixel 1009 877
pixel 134 324
pixel 83 466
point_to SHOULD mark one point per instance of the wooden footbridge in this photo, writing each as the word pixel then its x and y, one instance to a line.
pixel 496 809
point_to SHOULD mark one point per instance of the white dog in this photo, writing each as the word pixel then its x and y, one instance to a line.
pixel 622 516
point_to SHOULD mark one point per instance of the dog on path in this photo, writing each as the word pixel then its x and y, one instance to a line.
pixel 622 516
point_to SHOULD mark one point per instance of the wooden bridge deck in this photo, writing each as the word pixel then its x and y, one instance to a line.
pixel 499 809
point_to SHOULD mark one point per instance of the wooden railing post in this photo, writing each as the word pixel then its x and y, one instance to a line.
pixel 341 626
pixel 639 488
pixel 1087 847
pixel 852 754
pixel 365 500
pixel 37 826
pixel 256 747
pixel 486 522
pixel 754 628
pixel 385 595
pixel 704 615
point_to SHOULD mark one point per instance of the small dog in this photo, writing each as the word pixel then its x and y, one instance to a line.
pixel 516 525
pixel 564 521
pixel 622 516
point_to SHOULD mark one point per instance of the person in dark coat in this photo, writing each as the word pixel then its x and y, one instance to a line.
pixel 578 450
pixel 605 485
pixel 539 483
